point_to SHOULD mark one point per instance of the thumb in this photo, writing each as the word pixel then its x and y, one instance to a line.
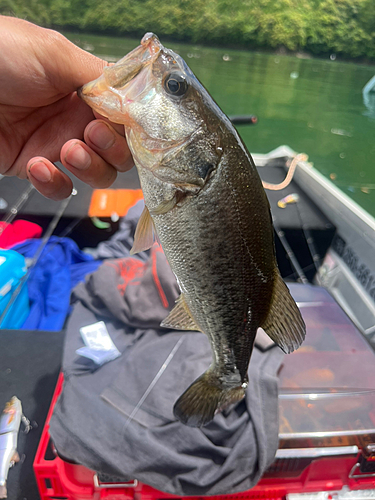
pixel 67 66
pixel 45 56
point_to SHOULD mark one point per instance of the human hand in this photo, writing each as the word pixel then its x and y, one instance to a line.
pixel 40 113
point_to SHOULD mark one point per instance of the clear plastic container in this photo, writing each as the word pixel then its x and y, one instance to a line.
pixel 327 387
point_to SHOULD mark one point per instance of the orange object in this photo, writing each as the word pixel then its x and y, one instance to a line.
pixel 107 202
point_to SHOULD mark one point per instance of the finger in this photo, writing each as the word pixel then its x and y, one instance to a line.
pixel 101 136
pixel 53 62
pixel 72 66
pixel 119 128
pixel 48 179
pixel 65 120
pixel 88 166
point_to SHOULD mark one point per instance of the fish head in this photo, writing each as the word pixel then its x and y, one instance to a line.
pixel 12 411
pixel 13 404
pixel 155 95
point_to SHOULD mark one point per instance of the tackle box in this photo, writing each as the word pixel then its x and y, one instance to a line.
pixel 327 423
pixel 12 270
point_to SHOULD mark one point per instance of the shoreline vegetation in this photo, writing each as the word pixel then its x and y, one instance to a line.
pixel 345 28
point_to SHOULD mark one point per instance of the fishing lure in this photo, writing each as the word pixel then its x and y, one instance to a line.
pixel 10 421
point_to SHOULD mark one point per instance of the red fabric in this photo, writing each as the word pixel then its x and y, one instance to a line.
pixel 20 230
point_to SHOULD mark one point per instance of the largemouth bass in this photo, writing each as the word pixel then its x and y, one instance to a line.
pixel 10 421
pixel 206 205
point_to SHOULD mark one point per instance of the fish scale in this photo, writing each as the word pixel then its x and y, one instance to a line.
pixel 206 204
pixel 217 266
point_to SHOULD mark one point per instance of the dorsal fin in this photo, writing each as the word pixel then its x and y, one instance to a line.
pixel 180 317
pixel 284 323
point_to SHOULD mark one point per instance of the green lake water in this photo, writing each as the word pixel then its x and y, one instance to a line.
pixel 315 106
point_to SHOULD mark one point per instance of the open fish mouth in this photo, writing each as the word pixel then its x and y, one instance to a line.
pixel 107 94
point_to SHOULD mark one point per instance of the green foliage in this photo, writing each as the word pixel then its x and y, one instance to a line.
pixel 344 27
pixel 339 27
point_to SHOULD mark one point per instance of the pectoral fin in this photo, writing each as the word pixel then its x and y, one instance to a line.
pixel 144 233
pixel 165 206
pixel 179 195
pixel 180 317
pixel 284 323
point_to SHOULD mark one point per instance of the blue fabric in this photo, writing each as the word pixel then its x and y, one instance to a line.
pixel 59 268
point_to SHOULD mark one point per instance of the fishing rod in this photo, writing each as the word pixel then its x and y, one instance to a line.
pixel 25 195
pixel 290 254
pixel 309 240
pixel 294 199
pixel 243 119
pixel 280 233
pixel 33 261
pixel 66 231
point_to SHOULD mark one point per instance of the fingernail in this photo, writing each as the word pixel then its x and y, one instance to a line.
pixel 101 135
pixel 78 157
pixel 40 171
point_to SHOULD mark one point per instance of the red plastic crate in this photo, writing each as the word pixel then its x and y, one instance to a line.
pixel 59 480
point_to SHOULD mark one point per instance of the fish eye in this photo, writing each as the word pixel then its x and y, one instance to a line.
pixel 176 84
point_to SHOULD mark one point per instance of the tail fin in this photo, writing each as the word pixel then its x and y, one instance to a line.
pixel 207 395
pixel 3 491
